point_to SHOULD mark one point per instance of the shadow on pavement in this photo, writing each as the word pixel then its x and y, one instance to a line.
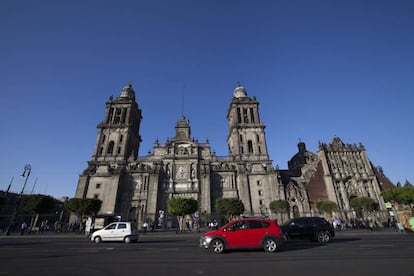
pixel 303 244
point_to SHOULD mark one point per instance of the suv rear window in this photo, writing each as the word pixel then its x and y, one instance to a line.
pixel 257 224
pixel 318 221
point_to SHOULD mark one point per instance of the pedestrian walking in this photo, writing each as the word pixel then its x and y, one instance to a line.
pixel 145 227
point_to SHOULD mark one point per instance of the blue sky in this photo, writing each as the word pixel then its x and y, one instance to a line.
pixel 319 69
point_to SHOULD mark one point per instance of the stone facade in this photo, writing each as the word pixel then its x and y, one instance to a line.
pixel 338 172
pixel 139 187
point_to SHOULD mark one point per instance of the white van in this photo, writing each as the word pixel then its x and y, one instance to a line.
pixel 116 231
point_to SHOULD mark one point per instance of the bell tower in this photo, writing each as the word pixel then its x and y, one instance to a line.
pixel 117 144
pixel 118 134
pixel 246 137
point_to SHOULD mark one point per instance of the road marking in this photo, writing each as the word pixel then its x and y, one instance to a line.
pixel 377 245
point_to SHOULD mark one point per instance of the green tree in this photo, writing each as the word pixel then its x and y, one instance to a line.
pixel 279 206
pixel 364 205
pixel 229 207
pixel 400 195
pixel 390 195
pixel 181 207
pixel 36 205
pixel 326 206
pixel 84 206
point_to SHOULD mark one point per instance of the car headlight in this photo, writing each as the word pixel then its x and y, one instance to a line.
pixel 205 241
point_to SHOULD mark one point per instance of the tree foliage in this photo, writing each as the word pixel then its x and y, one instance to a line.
pixel 400 195
pixel 181 207
pixel 37 204
pixel 229 207
pixel 364 204
pixel 279 206
pixel 84 206
pixel 326 206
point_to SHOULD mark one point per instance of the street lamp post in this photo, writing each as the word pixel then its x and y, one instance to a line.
pixel 26 174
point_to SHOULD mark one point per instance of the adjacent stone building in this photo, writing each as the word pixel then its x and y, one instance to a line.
pixel 338 172
pixel 138 188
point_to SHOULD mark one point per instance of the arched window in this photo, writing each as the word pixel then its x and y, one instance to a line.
pixel 245 116
pixel 111 147
pixel 250 146
pixel 124 113
pixel 238 115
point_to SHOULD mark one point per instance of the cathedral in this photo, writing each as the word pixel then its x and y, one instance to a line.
pixel 138 188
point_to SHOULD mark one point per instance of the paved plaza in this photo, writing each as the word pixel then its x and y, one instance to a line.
pixel 170 253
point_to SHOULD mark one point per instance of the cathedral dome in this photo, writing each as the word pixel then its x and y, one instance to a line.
pixel 128 93
pixel 240 91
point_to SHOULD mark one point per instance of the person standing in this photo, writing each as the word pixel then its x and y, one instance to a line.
pixel 23 228
pixel 88 226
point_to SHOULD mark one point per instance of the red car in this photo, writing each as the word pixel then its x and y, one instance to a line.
pixel 244 233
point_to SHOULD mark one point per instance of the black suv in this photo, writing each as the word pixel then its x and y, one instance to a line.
pixel 312 228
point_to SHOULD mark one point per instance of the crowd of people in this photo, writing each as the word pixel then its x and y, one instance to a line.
pixel 44 227
pixel 86 226
pixel 363 223
pixel 57 227
pixel 213 224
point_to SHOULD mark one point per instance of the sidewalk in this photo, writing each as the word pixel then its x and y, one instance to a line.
pixel 14 235
pixel 368 232
pixel 52 234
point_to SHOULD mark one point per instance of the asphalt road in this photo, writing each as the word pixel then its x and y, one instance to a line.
pixel 167 253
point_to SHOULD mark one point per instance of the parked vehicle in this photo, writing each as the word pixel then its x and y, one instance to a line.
pixel 308 228
pixel 244 233
pixel 116 231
